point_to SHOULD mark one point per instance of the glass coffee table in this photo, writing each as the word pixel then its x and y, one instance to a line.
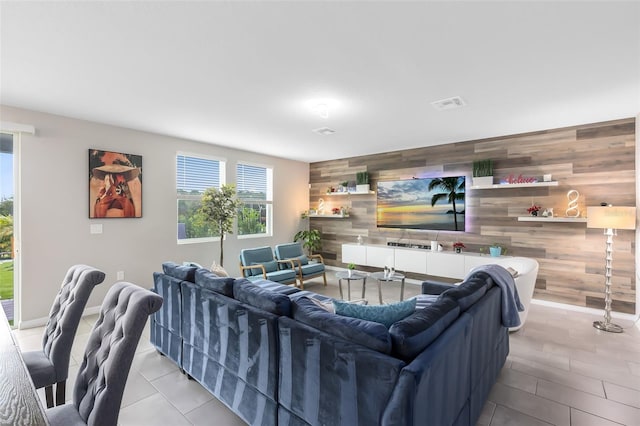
pixel 381 276
pixel 344 275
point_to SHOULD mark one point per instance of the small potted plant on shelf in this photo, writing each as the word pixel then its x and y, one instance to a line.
pixel 362 182
pixel 458 246
pixel 533 210
pixel 350 268
pixel 483 172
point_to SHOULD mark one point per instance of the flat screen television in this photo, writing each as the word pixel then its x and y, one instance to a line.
pixel 422 203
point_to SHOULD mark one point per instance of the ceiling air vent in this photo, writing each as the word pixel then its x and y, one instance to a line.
pixel 324 131
pixel 449 103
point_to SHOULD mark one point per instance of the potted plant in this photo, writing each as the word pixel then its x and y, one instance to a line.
pixel 220 207
pixel 310 239
pixel 362 182
pixel 496 250
pixel 458 246
pixel 483 172
pixel 350 268
pixel 533 210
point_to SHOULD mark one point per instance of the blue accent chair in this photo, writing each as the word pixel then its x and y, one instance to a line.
pixel 305 270
pixel 260 264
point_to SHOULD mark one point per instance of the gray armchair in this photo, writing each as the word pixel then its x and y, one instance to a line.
pixel 305 270
pixel 98 389
pixel 50 366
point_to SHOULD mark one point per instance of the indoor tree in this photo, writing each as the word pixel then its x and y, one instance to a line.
pixel 219 208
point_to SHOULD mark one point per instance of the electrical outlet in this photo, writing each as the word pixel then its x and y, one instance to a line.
pixel 120 275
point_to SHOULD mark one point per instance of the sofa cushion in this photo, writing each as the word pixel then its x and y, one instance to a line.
pixel 467 293
pixel 210 281
pixel 367 333
pixel 184 273
pixel 383 314
pixel 415 332
pixel 275 303
pixel 304 260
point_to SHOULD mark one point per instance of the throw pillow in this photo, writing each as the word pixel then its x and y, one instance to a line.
pixel 218 270
pixel 383 314
pixel 328 305
pixel 268 267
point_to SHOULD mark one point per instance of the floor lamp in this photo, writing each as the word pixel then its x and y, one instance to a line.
pixel 610 218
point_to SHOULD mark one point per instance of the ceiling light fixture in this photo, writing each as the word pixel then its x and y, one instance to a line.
pixel 321 109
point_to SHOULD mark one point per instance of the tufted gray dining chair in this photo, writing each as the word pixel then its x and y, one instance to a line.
pixel 97 393
pixel 50 366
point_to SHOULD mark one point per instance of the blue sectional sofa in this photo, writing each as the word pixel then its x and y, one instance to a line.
pixel 274 355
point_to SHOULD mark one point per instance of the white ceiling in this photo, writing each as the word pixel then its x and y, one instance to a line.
pixel 240 74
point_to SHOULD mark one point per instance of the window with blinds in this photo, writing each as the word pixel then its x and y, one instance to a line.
pixel 254 185
pixel 193 176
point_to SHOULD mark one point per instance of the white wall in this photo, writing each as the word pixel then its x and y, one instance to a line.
pixel 54 207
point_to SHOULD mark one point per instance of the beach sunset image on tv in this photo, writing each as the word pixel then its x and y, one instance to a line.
pixel 427 203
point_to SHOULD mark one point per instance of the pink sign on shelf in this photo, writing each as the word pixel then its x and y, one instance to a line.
pixel 511 179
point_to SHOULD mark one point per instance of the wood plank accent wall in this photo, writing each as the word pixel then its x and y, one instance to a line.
pixel 597 160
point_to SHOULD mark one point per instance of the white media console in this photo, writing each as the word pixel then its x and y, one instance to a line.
pixel 418 260
pixel 443 264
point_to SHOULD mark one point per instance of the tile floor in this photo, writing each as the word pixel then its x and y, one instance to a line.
pixel 560 371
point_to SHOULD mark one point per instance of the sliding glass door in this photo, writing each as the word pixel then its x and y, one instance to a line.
pixel 7 284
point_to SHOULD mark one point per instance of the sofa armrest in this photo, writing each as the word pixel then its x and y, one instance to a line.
pixel 435 287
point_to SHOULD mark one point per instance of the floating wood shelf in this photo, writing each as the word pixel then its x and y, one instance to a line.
pixel 331 194
pixel 552 219
pixel 515 185
pixel 330 216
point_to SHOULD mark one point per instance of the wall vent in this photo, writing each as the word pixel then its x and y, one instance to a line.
pixel 449 103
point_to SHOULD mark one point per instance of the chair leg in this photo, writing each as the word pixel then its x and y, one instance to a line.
pixel 324 277
pixel 48 392
pixel 60 392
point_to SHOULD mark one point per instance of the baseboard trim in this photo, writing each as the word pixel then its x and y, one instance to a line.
pixel 39 322
pixel 585 310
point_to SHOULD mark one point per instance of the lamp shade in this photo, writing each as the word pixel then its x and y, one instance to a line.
pixel 611 217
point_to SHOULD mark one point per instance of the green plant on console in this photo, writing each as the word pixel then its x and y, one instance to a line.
pixel 483 168
pixel 310 238
pixel 351 266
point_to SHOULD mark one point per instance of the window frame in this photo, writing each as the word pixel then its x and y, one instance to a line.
pixel 222 163
pixel 268 201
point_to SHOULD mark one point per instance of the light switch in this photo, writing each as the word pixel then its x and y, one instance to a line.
pixel 96 228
